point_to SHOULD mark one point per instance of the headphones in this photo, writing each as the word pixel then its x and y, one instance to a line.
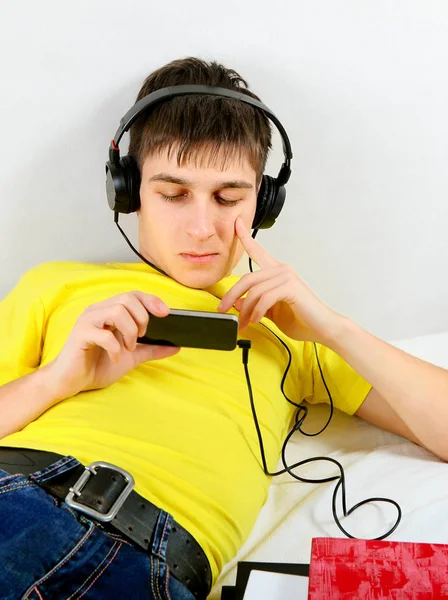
pixel 123 175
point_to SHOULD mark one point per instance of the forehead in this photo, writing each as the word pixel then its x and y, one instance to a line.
pixel 203 164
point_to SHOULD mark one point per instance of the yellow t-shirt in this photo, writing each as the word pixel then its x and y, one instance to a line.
pixel 182 425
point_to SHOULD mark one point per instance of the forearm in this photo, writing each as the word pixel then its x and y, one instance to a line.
pixel 23 400
pixel 416 390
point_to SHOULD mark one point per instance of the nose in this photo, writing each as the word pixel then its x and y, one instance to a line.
pixel 200 224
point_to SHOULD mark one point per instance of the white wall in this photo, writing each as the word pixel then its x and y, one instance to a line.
pixel 361 86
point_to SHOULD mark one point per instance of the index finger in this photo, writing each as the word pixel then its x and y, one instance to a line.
pixel 137 303
pixel 256 252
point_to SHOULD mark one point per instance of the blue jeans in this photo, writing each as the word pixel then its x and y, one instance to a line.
pixel 49 551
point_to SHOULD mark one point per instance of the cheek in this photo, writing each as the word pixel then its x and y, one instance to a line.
pixel 246 212
pixel 225 225
pixel 247 215
pixel 159 217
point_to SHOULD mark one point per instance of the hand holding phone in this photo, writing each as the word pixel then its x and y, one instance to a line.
pixel 102 346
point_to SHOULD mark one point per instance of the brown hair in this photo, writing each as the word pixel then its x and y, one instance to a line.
pixel 191 124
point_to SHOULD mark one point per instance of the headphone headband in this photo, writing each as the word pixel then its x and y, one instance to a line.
pixel 123 178
pixel 167 93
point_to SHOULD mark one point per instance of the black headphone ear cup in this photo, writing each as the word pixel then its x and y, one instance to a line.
pixel 262 202
pixel 131 174
pixel 123 185
pixel 270 201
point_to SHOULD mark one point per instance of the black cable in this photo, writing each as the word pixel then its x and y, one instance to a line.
pixel 300 416
pixel 116 216
pixel 301 406
pixel 254 235
pixel 245 345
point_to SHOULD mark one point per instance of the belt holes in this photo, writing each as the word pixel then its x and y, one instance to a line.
pixel 130 528
pixel 198 555
pixel 99 501
pixel 188 541
pixel 143 505
pixel 146 541
pixel 174 566
pixel 187 579
pixel 174 530
pixel 113 478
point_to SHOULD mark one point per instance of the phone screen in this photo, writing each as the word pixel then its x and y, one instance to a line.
pixel 193 329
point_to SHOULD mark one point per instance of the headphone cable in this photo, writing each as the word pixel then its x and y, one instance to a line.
pixel 116 217
pixel 301 413
pixel 300 416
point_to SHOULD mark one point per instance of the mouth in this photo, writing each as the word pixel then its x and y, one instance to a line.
pixel 201 259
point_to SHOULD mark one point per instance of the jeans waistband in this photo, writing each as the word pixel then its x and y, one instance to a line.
pixel 144 524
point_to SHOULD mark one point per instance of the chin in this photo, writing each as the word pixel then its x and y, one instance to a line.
pixel 199 278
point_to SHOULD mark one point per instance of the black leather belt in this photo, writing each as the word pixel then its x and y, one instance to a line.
pixel 104 492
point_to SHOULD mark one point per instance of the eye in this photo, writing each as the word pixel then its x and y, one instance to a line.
pixel 221 200
pixel 227 202
pixel 172 198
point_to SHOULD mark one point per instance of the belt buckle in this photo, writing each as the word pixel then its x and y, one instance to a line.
pixel 76 490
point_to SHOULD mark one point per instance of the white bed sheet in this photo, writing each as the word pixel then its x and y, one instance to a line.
pixel 376 463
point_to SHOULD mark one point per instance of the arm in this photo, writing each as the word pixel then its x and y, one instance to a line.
pixel 101 348
pixel 23 400
pixel 410 396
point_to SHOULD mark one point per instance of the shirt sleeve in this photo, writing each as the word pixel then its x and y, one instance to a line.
pixel 347 388
pixel 21 330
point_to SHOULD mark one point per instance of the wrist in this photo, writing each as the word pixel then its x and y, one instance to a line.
pixel 336 332
pixel 47 383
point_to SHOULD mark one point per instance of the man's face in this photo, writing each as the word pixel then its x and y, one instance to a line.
pixel 187 217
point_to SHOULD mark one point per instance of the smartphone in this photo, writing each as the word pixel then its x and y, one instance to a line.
pixel 193 329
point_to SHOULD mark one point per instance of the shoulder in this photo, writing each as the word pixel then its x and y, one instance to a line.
pixel 50 271
pixel 40 278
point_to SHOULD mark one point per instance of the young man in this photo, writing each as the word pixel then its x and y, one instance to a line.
pixel 75 382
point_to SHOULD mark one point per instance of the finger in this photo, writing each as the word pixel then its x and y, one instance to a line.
pixel 264 305
pixel 243 285
pixel 103 339
pixel 256 252
pixel 239 304
pixel 153 304
pixel 138 304
pixel 136 309
pixel 116 317
pixel 271 289
pixel 141 306
pixel 146 352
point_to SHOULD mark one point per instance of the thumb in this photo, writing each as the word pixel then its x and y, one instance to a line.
pixel 145 352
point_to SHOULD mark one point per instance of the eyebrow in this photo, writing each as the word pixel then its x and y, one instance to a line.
pixel 166 177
